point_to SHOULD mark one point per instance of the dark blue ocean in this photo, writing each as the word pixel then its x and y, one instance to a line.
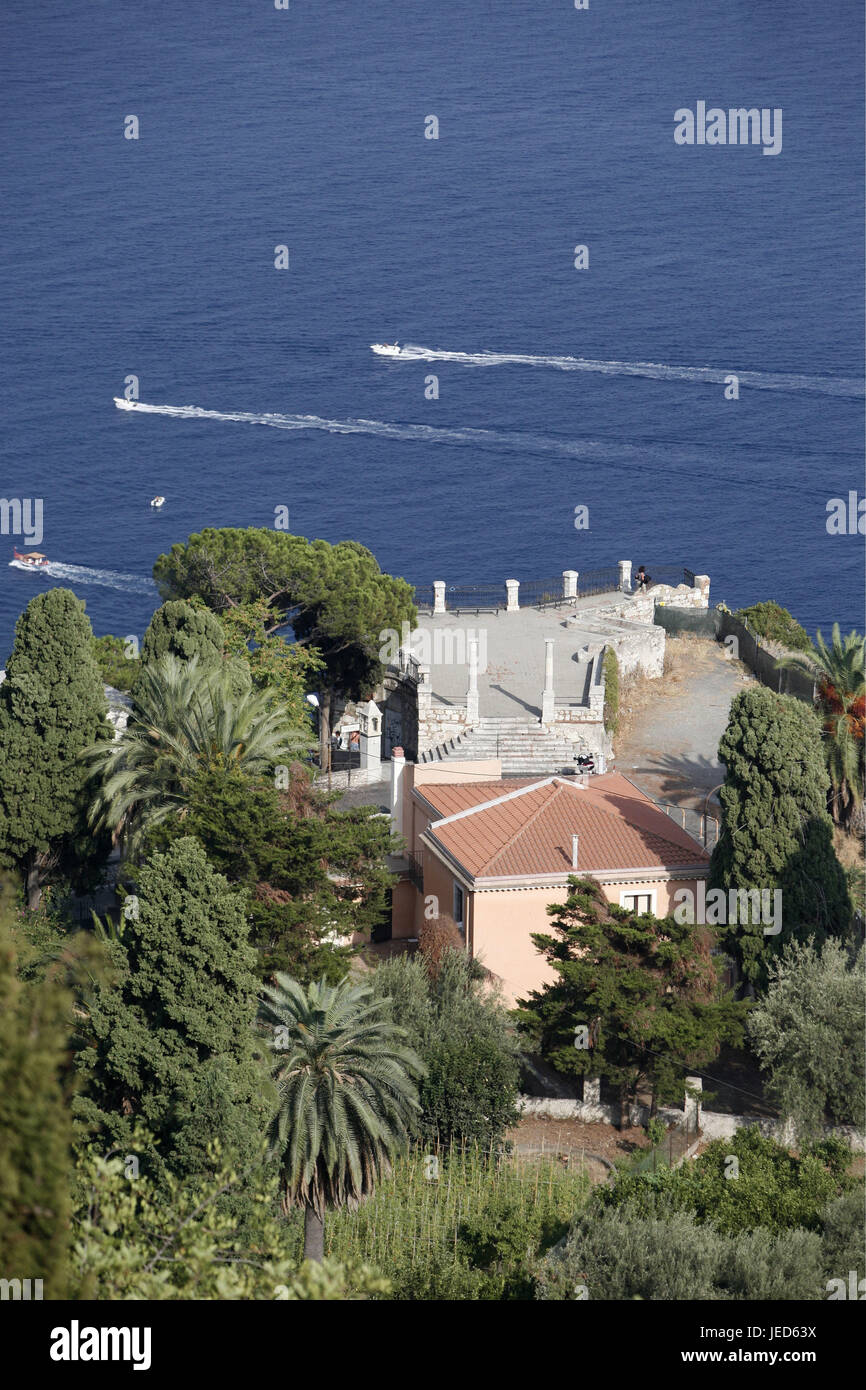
pixel 306 128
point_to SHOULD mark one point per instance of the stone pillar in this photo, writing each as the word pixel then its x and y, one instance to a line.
pixel 692 1106
pixel 702 582
pixel 472 692
pixel 513 589
pixel 592 1090
pixel 438 595
pixel 548 696
pixel 625 576
pixel 569 583
pixel 370 720
pixel 398 767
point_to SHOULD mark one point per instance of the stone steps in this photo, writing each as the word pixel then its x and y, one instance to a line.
pixel 522 746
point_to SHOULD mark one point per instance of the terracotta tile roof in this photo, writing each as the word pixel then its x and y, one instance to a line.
pixel 521 828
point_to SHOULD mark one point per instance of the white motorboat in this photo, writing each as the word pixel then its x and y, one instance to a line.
pixel 123 404
pixel 386 349
pixel 157 501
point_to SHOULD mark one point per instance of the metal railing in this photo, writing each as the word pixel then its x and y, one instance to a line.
pixel 416 868
pixel 538 593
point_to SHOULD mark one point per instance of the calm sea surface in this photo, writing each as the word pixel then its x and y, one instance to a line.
pixel 305 128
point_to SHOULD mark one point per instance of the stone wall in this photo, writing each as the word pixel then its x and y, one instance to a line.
pixel 713 1124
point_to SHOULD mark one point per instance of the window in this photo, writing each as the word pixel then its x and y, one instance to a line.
pixel 638 902
pixel 457 906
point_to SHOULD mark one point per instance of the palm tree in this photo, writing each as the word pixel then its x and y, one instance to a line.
pixel 347 1096
pixel 840 671
pixel 186 718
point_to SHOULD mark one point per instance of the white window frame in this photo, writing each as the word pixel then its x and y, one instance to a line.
pixel 650 893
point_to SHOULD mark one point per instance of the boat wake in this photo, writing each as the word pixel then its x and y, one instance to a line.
pixel 656 371
pixel 612 453
pixel 82 574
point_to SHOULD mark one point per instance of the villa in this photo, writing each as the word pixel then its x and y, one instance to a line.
pixel 495 853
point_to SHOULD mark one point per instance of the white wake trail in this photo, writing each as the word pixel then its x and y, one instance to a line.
pixel 105 579
pixel 657 371
pixel 612 453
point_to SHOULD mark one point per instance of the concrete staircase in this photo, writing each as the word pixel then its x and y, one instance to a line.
pixel 524 748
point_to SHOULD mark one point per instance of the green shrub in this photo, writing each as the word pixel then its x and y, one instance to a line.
pixel 807 1033
pixel 771 621
pixel 610 667
pixel 622 1253
pixel 773 1188
pixel 842 1228
pixel 462 1033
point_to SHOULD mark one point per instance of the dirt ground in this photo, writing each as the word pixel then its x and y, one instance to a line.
pixel 669 728
pixel 576 1143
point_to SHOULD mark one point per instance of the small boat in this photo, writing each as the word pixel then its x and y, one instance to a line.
pixel 123 404
pixel 31 559
pixel 157 501
pixel 386 349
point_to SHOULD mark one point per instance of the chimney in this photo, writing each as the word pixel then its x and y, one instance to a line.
pixel 398 766
pixel 574 840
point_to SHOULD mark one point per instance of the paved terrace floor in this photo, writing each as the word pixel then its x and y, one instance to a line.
pixel 512 684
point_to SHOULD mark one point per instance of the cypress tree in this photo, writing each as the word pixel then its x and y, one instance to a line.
pixel 52 705
pixel 173 1040
pixel 776 833
pixel 635 999
pixel 184 630
pixel 35 1120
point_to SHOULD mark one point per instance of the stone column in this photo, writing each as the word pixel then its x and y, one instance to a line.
pixel 592 1090
pixel 438 595
pixel 692 1106
pixel 702 582
pixel 625 576
pixel 398 767
pixel 548 696
pixel 472 692
pixel 569 583
pixel 513 589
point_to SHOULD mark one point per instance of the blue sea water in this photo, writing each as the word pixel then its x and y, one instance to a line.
pixel 261 127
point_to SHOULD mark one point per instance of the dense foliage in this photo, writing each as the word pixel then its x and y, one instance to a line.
pixel 743 1182
pixel 186 631
pixel 775 832
pixel 313 874
pixel 839 669
pixel 460 1028
pixel 132 1239
pixel 774 623
pixel 636 1000
pixel 807 1032
pixel 35 1119
pixel 118 665
pixel 746 1220
pixel 338 600
pixel 52 706
pixel 185 718
pixel 172 1039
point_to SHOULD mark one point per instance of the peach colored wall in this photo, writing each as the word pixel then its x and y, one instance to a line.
pixel 503 922
pixel 481 770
